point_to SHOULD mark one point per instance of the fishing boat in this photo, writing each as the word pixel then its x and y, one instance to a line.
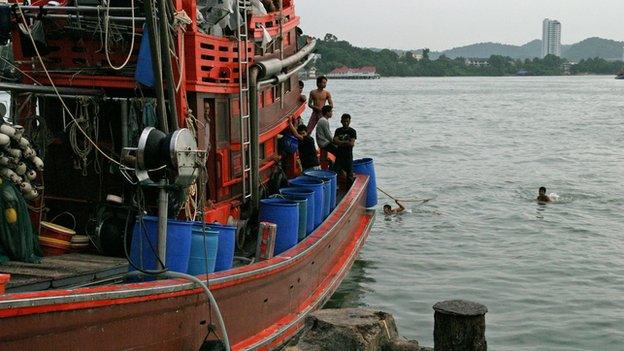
pixel 620 75
pixel 100 81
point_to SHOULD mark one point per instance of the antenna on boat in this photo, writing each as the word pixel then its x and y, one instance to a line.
pixel 165 161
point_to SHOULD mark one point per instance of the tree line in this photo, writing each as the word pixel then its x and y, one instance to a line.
pixel 337 53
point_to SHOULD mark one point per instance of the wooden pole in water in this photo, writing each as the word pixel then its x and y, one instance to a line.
pixel 459 326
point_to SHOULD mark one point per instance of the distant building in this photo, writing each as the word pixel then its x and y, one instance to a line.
pixel 551 38
pixel 477 62
pixel 368 72
pixel 417 55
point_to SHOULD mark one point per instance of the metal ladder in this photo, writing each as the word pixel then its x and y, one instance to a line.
pixel 243 7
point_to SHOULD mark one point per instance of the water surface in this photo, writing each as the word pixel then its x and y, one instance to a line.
pixel 552 276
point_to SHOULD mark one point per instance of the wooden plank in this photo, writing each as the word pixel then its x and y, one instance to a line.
pixel 62 271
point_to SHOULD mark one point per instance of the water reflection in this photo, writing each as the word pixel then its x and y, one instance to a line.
pixel 353 288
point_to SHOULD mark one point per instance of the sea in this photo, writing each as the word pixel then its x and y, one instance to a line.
pixel 552 276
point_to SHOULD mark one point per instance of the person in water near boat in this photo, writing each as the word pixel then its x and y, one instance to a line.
pixel 388 210
pixel 345 138
pixel 319 98
pixel 307 147
pixel 542 197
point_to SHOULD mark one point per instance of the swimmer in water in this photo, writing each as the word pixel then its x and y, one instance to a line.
pixel 388 210
pixel 542 197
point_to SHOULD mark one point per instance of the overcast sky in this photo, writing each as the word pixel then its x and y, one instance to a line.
pixel 444 24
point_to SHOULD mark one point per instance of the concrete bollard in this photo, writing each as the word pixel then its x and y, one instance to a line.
pixel 459 326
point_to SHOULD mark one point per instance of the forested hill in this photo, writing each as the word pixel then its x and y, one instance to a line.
pixel 588 48
pixel 336 53
pixel 484 50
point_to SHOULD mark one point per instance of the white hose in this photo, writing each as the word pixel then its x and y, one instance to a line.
pixel 106 30
pixel 213 302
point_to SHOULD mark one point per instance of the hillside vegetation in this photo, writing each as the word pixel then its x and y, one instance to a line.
pixel 337 53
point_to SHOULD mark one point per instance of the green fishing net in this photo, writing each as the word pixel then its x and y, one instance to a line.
pixel 18 241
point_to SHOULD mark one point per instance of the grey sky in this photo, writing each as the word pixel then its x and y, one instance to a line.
pixel 443 24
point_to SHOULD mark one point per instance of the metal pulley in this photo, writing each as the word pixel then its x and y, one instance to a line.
pixel 160 156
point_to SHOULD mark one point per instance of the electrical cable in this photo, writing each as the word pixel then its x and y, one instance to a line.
pixel 106 36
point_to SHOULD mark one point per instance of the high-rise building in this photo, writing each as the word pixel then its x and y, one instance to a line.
pixel 551 38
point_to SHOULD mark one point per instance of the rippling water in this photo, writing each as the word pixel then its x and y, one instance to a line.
pixel 552 276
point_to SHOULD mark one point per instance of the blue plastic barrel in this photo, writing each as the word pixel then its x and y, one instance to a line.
pixel 367 167
pixel 204 246
pixel 225 250
pixel 333 179
pixel 315 185
pixel 144 248
pixel 302 202
pixel 285 214
pixel 309 195
pixel 326 194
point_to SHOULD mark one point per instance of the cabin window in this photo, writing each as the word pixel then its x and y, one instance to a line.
pixel 262 152
pixel 222 122
pixel 288 85
pixel 236 164
pixel 276 91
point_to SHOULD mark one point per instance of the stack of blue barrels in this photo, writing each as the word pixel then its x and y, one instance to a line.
pixel 192 247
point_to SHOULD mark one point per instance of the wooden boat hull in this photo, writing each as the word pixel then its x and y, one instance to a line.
pixel 263 304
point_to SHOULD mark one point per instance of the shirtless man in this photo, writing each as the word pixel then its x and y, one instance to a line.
pixel 542 197
pixel 388 210
pixel 318 98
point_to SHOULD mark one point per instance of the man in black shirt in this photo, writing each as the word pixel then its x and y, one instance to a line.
pixel 345 138
pixel 307 147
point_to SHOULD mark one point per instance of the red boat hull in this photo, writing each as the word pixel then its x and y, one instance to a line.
pixel 263 305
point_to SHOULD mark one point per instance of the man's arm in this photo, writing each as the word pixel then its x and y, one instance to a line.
pixel 337 140
pixel 353 138
pixel 330 101
pixel 293 130
pixel 401 207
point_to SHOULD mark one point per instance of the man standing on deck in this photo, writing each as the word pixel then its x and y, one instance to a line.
pixel 318 99
pixel 345 138
pixel 324 137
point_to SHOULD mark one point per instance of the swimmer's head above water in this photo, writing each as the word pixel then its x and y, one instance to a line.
pixel 387 209
pixel 542 197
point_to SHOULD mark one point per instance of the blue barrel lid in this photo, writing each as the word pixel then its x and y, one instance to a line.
pixel 307 177
pixel 278 202
pixel 362 161
pixel 307 180
pixel 169 221
pixel 220 226
pixel 321 174
pixel 296 198
pixel 288 191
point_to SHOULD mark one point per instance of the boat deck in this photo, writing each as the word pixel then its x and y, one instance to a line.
pixel 66 271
